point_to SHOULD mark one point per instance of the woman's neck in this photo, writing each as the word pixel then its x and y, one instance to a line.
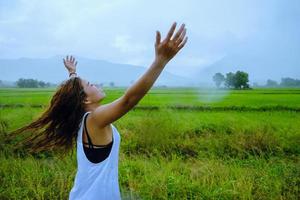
pixel 92 107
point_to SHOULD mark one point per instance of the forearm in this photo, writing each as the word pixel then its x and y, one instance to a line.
pixel 138 90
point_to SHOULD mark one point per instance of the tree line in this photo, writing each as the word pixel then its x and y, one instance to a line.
pixel 240 79
pixel 285 82
pixel 32 83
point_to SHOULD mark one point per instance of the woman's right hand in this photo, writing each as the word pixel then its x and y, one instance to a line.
pixel 169 47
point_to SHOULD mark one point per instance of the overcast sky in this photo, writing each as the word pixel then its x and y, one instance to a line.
pixel 123 31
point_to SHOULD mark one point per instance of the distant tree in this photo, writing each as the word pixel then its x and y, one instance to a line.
pixel 271 83
pixel 290 82
pixel 218 78
pixel 238 80
pixel 41 84
pixel 255 84
pixel 27 83
pixel 31 83
pixel 48 84
pixel 230 80
pixel 241 80
pixel 112 84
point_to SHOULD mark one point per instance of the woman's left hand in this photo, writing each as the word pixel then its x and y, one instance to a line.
pixel 165 50
pixel 70 64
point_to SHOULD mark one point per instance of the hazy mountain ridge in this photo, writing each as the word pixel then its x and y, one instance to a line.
pixel 97 71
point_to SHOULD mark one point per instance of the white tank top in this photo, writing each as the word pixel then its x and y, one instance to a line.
pixel 96 180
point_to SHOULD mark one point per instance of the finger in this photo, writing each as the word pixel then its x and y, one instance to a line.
pixel 171 31
pixel 64 61
pixel 181 29
pixel 183 43
pixel 76 63
pixel 158 37
pixel 181 37
pixel 67 58
pixel 71 59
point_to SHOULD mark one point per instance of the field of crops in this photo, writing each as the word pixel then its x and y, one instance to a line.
pixel 177 143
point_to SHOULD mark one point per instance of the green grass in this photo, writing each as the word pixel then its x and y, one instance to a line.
pixel 174 153
pixel 172 96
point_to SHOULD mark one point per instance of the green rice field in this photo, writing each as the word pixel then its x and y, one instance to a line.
pixel 177 143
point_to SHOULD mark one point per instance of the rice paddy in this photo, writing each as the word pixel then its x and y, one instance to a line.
pixel 177 143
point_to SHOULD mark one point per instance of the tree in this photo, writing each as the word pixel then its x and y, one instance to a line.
pixel 238 80
pixel 31 83
pixel 112 84
pixel 218 78
pixel 230 80
pixel 289 82
pixel 41 84
pixel 27 83
pixel 271 83
pixel 241 80
pixel 255 84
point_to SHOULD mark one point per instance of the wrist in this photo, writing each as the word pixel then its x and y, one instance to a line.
pixel 72 74
pixel 160 61
pixel 72 71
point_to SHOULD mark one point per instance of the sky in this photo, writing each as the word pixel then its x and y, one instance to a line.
pixel 123 31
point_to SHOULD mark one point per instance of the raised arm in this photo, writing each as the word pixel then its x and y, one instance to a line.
pixel 164 51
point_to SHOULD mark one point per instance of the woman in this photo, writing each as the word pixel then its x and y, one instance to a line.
pixel 75 116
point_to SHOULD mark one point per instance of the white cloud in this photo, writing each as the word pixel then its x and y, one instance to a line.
pixel 127 45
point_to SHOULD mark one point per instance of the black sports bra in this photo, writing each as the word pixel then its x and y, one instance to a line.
pixel 96 155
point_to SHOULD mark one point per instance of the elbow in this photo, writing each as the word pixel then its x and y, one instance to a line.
pixel 131 101
pixel 127 100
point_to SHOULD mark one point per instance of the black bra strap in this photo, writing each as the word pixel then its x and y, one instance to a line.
pixel 91 145
pixel 89 139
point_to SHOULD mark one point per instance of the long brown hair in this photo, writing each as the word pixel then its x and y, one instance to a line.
pixel 56 128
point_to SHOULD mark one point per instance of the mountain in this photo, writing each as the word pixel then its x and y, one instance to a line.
pixel 97 71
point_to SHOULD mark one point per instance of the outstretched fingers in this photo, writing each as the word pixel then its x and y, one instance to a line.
pixel 181 37
pixel 182 43
pixel 67 59
pixel 170 33
pixel 179 32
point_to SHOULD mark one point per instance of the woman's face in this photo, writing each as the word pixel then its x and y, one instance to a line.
pixel 94 94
